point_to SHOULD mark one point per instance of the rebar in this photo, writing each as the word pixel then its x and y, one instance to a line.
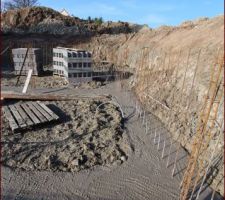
pixel 198 141
pixel 193 80
pixel 155 137
pixel 143 120
pixel 175 162
pixel 168 159
pixel 159 139
pixel 146 127
pixel 164 145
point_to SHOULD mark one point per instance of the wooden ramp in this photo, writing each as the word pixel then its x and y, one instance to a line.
pixel 28 114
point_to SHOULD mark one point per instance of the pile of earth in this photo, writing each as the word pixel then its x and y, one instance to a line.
pixel 36 81
pixel 48 21
pixel 84 137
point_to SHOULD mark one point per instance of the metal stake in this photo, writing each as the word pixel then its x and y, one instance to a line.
pixel 175 162
pixel 164 145
pixel 140 113
pixel 159 140
pixel 136 107
pixel 146 127
pixel 208 167
pixel 155 137
pixel 168 160
pixel 213 194
pixel 143 121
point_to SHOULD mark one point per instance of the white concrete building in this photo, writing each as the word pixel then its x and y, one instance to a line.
pixel 73 64
pixel 64 12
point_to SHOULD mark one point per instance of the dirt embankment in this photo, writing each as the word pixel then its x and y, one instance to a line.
pixel 48 21
pixel 161 58
pixel 173 66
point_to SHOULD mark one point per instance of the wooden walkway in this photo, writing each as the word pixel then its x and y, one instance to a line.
pixel 28 114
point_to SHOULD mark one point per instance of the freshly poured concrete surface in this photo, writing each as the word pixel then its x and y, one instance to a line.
pixel 143 176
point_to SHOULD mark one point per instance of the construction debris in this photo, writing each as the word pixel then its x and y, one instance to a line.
pixel 44 97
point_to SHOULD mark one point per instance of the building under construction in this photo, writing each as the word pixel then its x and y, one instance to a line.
pixel 27 58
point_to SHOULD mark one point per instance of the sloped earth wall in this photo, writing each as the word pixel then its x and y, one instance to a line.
pixel 166 59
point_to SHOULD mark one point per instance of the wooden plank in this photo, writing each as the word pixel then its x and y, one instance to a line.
pixel 21 69
pixel 5 50
pixel 36 112
pixel 17 116
pixel 12 123
pixel 46 97
pixel 30 114
pixel 42 111
pixel 48 110
pixel 24 115
pixel 27 81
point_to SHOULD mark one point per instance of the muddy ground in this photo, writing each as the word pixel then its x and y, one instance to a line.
pixel 84 137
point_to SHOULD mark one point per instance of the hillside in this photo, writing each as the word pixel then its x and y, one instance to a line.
pixel 48 21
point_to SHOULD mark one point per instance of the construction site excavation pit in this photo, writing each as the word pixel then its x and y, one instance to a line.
pixel 86 135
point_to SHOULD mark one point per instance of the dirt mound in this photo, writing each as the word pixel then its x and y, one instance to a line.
pixel 47 81
pixel 27 17
pixel 49 21
pixel 84 138
pixel 37 82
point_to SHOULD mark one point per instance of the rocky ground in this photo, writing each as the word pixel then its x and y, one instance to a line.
pixel 84 137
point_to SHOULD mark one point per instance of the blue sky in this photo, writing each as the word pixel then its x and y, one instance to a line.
pixel 154 13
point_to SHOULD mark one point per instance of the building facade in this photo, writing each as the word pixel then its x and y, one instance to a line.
pixel 32 61
pixel 73 64
pixel 65 12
